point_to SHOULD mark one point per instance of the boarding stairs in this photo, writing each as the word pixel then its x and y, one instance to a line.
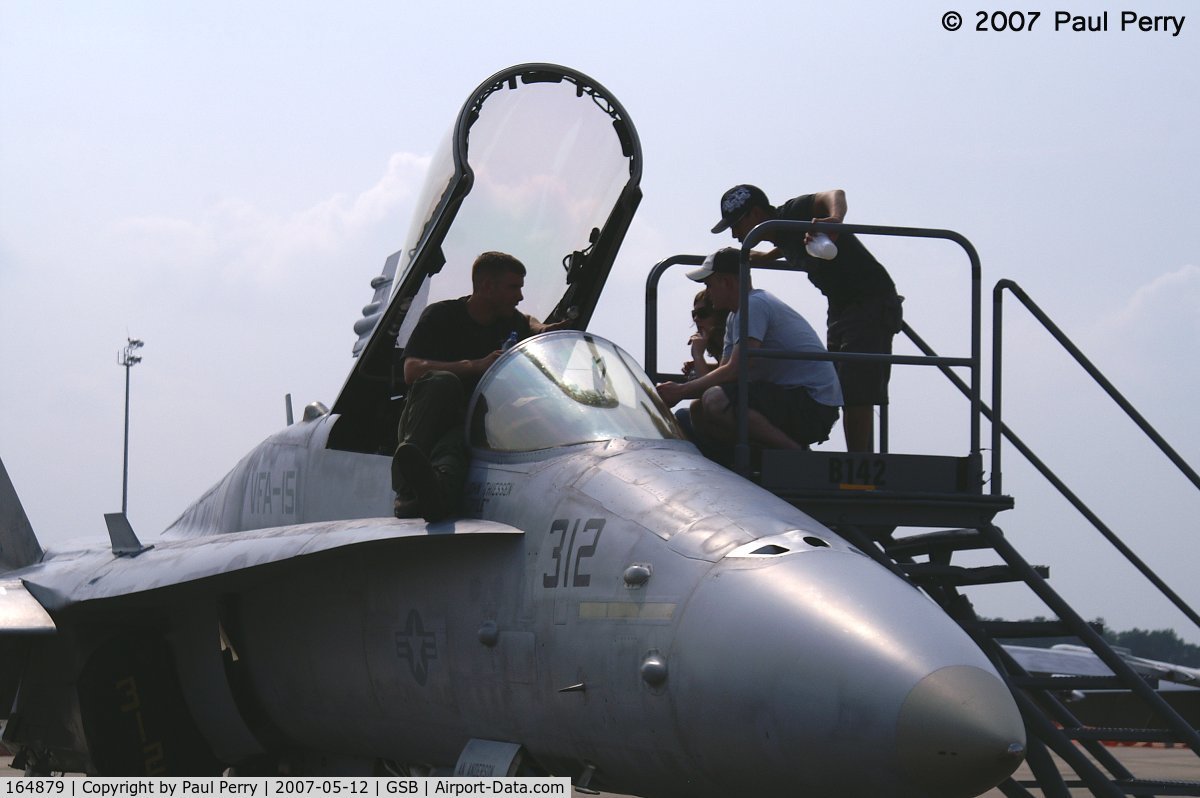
pixel 914 513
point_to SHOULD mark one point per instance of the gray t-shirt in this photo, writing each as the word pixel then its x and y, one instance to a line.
pixel 778 326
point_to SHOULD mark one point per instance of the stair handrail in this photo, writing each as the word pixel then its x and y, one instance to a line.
pixel 1081 359
pixel 1059 485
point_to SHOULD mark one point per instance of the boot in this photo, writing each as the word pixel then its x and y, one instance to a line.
pixel 433 500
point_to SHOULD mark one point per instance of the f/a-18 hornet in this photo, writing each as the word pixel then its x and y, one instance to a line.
pixel 610 605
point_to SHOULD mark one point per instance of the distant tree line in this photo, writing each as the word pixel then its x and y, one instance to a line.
pixel 1160 644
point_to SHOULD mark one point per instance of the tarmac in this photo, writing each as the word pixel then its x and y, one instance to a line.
pixel 1170 764
pixel 1166 764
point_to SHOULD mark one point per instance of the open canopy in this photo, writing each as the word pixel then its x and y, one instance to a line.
pixel 542 163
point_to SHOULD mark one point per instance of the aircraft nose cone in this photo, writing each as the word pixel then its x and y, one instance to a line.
pixel 820 673
pixel 959 733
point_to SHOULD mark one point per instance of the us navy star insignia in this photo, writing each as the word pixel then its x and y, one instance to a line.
pixel 416 646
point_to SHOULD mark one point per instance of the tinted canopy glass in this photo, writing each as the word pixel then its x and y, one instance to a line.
pixel 542 163
pixel 547 169
pixel 564 388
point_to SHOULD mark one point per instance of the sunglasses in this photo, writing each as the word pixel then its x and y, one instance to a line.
pixel 701 313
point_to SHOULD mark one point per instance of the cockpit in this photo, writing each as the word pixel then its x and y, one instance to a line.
pixel 564 388
pixel 543 164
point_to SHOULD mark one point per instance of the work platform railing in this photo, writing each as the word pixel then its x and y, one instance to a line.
pixel 899 489
pixel 770 229
pixel 870 517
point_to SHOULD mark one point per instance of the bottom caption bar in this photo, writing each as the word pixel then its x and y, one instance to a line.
pixel 256 787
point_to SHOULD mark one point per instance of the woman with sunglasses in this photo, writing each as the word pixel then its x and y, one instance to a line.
pixel 709 337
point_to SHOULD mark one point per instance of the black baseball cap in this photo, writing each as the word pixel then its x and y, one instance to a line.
pixel 723 261
pixel 737 202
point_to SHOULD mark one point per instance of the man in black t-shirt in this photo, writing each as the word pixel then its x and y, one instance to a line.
pixel 451 347
pixel 864 309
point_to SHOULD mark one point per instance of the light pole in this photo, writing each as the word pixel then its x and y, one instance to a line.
pixel 127 359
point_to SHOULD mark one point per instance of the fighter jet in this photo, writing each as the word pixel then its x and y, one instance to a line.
pixel 610 606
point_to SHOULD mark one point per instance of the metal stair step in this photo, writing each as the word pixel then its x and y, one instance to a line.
pixel 942 541
pixel 1128 786
pixel 959 576
pixel 1032 629
pixel 1122 735
pixel 1158 787
pixel 1070 682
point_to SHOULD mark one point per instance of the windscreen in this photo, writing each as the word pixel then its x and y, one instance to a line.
pixel 548 168
pixel 564 388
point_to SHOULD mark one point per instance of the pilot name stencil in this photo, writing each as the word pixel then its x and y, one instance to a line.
pixel 478 494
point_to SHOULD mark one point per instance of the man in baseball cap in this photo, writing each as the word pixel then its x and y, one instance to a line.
pixel 737 202
pixel 723 261
pixel 792 402
pixel 864 308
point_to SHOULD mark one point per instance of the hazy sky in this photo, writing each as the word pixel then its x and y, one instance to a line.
pixel 223 180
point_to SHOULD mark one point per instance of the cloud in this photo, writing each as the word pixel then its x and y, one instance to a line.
pixel 1152 338
pixel 239 303
pixel 237 243
pixel 1174 296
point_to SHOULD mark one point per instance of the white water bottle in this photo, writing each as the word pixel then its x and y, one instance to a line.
pixel 821 246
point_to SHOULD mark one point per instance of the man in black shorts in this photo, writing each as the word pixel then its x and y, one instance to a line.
pixel 451 347
pixel 864 308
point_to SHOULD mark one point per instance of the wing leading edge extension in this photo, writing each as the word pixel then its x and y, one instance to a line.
pixel 59 583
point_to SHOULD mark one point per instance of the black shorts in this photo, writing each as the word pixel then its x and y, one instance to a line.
pixel 867 325
pixel 793 410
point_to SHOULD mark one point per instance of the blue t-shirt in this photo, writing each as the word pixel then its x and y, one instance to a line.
pixel 778 326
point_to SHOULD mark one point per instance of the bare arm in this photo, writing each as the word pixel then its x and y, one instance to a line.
pixel 775 253
pixel 829 206
pixel 699 359
pixel 536 327
pixel 417 367
pixel 674 392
